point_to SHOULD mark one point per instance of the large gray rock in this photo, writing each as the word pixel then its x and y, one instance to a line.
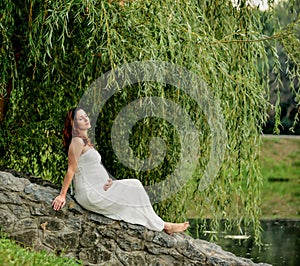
pixel 27 216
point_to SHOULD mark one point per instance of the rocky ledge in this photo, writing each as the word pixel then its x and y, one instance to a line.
pixel 27 216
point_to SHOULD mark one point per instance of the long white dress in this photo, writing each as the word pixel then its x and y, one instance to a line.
pixel 125 200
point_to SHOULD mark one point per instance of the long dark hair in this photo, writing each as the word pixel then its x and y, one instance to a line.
pixel 70 130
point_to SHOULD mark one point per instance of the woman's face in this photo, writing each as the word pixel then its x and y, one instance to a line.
pixel 82 121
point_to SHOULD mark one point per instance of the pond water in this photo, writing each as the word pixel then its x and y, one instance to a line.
pixel 281 242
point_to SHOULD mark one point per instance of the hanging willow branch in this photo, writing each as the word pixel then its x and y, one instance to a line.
pixel 267 38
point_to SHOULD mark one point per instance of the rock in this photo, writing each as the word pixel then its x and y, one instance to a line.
pixel 27 216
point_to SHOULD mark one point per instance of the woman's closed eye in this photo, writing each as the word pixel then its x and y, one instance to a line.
pixel 83 117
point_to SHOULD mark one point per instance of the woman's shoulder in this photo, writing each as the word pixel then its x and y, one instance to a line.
pixel 77 141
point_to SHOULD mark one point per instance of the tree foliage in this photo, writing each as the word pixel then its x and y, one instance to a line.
pixel 284 74
pixel 51 52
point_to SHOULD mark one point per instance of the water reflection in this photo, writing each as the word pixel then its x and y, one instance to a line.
pixel 281 242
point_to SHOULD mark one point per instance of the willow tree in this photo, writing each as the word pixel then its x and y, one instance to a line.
pixel 52 51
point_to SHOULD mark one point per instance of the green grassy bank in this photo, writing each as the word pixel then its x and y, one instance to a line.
pixel 13 254
pixel 280 168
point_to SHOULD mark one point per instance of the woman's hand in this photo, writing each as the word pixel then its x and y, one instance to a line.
pixel 58 202
pixel 108 184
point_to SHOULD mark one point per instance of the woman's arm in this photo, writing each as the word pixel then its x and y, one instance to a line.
pixel 74 153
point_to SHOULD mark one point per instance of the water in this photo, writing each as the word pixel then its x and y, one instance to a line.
pixel 281 243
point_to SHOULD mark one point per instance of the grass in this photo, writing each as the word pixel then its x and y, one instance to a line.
pixel 13 254
pixel 280 168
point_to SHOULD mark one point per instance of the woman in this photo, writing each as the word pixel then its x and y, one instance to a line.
pixel 124 199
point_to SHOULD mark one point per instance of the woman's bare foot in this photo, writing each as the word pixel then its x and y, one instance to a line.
pixel 171 228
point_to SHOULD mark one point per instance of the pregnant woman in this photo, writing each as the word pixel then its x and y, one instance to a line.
pixel 124 199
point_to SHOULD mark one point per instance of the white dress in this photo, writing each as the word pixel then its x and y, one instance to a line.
pixel 125 200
